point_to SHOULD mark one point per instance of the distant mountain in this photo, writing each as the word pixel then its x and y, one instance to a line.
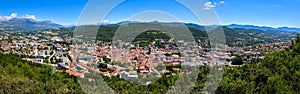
pixel 24 24
pixel 289 29
pixel 234 36
pixel 196 26
pixel 237 27
pixel 264 28
pixel 200 27
pixel 190 25
pixel 125 22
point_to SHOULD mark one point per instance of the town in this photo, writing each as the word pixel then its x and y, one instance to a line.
pixel 134 61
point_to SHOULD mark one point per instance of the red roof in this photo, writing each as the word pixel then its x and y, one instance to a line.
pixel 176 69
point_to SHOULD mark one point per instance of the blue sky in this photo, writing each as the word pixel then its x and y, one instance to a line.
pixel 273 13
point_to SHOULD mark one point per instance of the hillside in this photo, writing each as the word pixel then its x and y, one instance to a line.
pixel 277 73
pixel 19 76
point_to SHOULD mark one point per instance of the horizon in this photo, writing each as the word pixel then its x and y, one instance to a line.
pixel 103 23
pixel 268 13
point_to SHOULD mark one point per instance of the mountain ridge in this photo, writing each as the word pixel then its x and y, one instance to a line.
pixel 202 27
pixel 25 24
pixel 265 28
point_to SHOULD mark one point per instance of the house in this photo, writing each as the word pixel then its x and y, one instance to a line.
pixel 63 66
pixel 105 73
pixel 114 74
pixel 166 71
pixel 176 63
pixel 176 69
pixel 131 74
pixel 81 75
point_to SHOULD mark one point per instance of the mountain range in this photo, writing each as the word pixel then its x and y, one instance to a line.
pixel 264 28
pixel 201 27
pixel 25 24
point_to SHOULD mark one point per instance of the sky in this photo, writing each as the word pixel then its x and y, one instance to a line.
pixel 274 13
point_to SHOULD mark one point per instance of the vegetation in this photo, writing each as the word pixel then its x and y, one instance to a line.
pixel 278 73
pixel 237 61
pixel 246 36
pixel 19 76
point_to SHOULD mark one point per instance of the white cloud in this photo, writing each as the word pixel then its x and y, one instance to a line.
pixel 15 15
pixel 222 2
pixel 210 5
pixel 27 16
pixel 1 18
pixel 104 21
pixel 12 15
pixel 91 22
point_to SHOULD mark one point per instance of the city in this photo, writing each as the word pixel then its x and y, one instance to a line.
pixel 149 47
pixel 57 50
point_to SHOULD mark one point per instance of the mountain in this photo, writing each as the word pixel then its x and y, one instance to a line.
pixel 264 28
pixel 201 27
pixel 24 24
pixel 190 25
pixel 196 26
pixel 245 37
pixel 289 29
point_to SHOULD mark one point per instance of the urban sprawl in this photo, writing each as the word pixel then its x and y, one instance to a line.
pixel 134 61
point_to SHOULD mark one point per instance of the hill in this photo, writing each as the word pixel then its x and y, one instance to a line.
pixel 19 76
pixel 277 73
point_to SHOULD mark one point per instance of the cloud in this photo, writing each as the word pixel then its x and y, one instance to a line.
pixel 210 5
pixel 15 15
pixel 92 22
pixel 1 18
pixel 27 16
pixel 104 21
pixel 12 15
pixel 222 2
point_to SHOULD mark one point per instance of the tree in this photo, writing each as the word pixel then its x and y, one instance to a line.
pixel 297 38
pixel 237 61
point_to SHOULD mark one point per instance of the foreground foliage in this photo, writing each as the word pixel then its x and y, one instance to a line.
pixel 277 73
pixel 19 76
